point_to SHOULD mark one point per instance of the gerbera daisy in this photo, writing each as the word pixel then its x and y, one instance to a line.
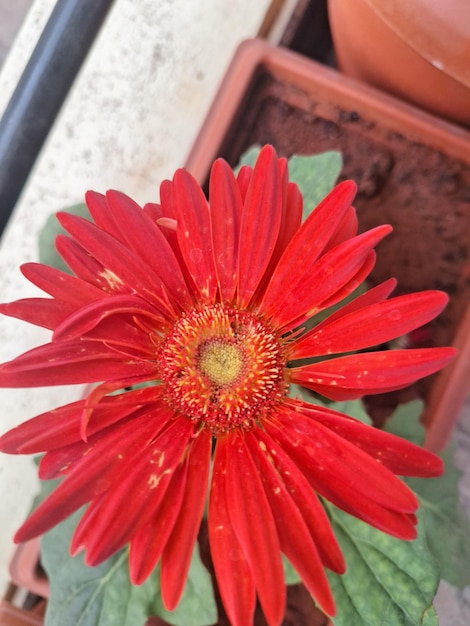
pixel 189 314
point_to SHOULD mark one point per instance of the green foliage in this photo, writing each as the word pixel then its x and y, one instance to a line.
pixel 47 251
pixel 104 596
pixel 83 595
pixel 315 175
pixel 388 582
pixel 447 527
pixel 290 574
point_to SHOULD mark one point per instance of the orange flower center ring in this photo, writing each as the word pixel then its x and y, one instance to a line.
pixel 222 367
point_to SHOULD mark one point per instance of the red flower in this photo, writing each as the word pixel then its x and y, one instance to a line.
pixel 203 302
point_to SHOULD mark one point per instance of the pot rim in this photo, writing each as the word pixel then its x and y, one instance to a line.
pixel 254 54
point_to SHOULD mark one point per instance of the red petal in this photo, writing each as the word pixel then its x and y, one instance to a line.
pixel 153 210
pixel 167 212
pixel 233 574
pixel 372 296
pixel 98 465
pixel 176 556
pixel 226 209
pixel 340 466
pixel 292 216
pixel 290 223
pixel 166 208
pixel 344 495
pixel 61 426
pixel 303 296
pixel 291 220
pixel 308 243
pixel 347 229
pixel 261 219
pixel 123 270
pixel 147 544
pixel 371 325
pixel 296 541
pixel 353 283
pixel 101 215
pixel 255 528
pixel 137 397
pixel 57 429
pixel 147 479
pixel 243 180
pixel 146 421
pixel 194 232
pixel 399 455
pixel 87 317
pixel 147 241
pixel 60 285
pixel 69 363
pixel 85 267
pixel 49 430
pixel 371 372
pixel 306 501
pixel 43 312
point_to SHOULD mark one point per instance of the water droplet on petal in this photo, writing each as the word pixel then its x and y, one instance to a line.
pixel 196 255
pixel 394 315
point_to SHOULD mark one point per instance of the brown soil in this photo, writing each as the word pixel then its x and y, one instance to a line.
pixel 423 193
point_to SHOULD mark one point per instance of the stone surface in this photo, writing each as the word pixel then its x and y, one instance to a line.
pixel 11 16
pixel 128 122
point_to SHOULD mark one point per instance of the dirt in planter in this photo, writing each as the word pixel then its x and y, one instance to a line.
pixel 423 193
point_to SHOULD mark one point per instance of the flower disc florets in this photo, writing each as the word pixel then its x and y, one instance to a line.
pixel 222 367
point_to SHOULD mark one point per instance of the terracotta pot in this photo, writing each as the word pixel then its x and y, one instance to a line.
pixel 30 614
pixel 26 571
pixel 419 50
pixel 26 575
pixel 11 615
pixel 448 395
pixel 413 171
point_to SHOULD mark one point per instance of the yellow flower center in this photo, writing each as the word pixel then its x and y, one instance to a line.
pixel 221 362
pixel 222 367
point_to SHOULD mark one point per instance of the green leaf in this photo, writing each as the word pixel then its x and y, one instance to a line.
pixel 447 525
pixel 353 408
pixel 315 175
pixel 405 422
pixel 430 617
pixel 388 582
pixel 104 596
pixel 290 573
pixel 47 251
pixel 91 596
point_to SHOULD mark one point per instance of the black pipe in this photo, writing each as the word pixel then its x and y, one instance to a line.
pixel 42 88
